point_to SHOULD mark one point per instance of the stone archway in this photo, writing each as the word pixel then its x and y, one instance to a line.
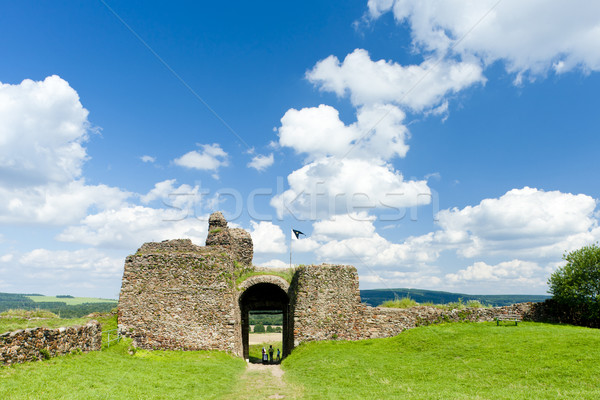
pixel 265 293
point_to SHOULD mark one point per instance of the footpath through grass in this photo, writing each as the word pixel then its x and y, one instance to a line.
pixel 454 361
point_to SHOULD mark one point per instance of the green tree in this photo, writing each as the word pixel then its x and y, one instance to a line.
pixel 259 328
pixel 577 284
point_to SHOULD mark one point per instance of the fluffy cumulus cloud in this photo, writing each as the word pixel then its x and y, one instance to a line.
pixel 346 167
pixel 318 132
pixel 261 162
pixel 130 226
pixel 211 157
pixel 416 87
pixel 58 261
pixel 529 36
pixel 523 222
pixel 339 186
pixel 56 204
pixel 512 242
pixel 183 197
pixel 267 238
pixel 516 272
pixel 42 130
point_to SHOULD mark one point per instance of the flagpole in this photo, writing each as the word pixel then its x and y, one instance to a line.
pixel 291 240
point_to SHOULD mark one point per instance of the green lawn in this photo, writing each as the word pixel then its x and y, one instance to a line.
pixel 115 374
pixel 454 361
pixel 69 301
pixel 14 323
pixel 449 361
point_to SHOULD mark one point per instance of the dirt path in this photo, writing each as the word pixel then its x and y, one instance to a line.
pixel 265 382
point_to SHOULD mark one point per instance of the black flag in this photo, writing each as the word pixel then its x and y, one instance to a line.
pixel 297 233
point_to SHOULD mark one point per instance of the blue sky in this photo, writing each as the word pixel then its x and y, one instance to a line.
pixel 441 145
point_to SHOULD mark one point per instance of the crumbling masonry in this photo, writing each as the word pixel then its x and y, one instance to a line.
pixel 176 295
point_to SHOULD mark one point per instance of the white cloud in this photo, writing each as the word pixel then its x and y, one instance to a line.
pixel 6 258
pixel 417 87
pixel 514 276
pixel 261 162
pixel 42 127
pixel 529 36
pixel 131 226
pixel 526 222
pixel 210 158
pixel 376 251
pixel 274 264
pixel 148 159
pixel 344 226
pixel 184 197
pixel 92 260
pixel 318 132
pixel 56 204
pixel 330 186
pixel 267 238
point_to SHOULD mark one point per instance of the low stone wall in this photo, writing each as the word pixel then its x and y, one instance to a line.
pixel 379 322
pixel 30 344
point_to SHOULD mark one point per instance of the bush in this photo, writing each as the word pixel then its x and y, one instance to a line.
pixel 576 286
pixel 405 302
pixel 260 328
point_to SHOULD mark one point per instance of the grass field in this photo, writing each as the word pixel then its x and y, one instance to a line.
pixel 115 374
pixel 454 361
pixel 71 301
pixel 449 361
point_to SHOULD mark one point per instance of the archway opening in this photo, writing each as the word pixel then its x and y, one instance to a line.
pixel 265 302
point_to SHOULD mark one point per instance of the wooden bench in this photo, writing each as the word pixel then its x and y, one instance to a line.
pixel 508 317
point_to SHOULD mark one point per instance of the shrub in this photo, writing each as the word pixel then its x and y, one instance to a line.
pixel 475 304
pixel 45 354
pixel 260 328
pixel 576 285
pixel 405 302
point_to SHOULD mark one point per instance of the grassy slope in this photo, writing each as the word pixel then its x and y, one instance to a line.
pixel 454 361
pixel 113 373
pixel 69 301
pixel 14 323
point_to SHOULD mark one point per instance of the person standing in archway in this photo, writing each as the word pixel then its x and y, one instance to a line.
pixel 264 355
pixel 271 351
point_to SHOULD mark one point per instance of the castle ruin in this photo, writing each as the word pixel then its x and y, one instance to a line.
pixel 176 295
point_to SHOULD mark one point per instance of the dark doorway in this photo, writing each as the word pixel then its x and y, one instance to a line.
pixel 265 298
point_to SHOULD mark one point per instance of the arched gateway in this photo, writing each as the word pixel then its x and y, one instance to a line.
pixel 176 295
pixel 265 293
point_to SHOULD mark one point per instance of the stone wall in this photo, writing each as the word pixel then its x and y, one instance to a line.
pixel 325 301
pixel 176 295
pixel 379 322
pixel 30 344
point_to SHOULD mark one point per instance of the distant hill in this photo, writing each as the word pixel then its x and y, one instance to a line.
pixel 375 297
pixel 66 307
